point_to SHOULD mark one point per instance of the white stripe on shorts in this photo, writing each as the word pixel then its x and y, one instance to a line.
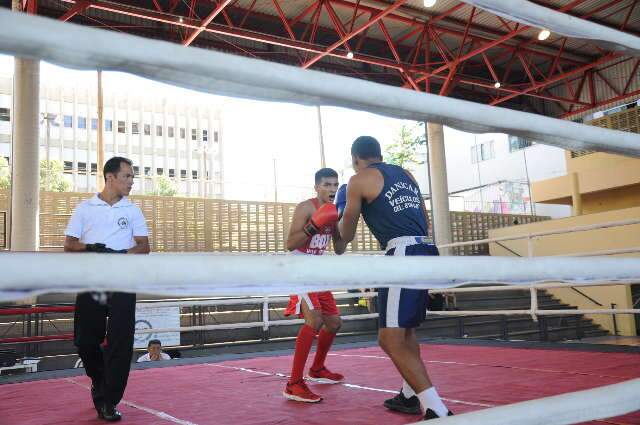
pixel 393 296
pixel 305 297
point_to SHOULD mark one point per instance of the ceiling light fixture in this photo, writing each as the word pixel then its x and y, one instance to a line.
pixel 544 34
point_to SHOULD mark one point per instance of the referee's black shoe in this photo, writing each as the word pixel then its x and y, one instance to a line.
pixel 109 413
pixel 402 404
pixel 430 414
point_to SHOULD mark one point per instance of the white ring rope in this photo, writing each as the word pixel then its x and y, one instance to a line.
pixel 30 274
pixel 531 14
pixel 219 73
pixel 572 408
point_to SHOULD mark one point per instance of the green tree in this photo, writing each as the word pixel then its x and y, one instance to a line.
pixel 55 169
pixel 406 145
pixel 164 187
pixel 5 174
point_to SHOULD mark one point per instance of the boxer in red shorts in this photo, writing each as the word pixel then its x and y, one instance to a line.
pixel 313 226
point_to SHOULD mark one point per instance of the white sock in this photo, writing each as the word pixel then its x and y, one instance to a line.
pixel 429 399
pixel 407 390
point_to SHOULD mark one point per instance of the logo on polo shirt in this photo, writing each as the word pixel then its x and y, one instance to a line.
pixel 123 223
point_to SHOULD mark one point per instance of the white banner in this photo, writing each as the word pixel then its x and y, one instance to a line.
pixel 150 317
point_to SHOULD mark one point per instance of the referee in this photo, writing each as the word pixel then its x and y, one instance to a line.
pixel 107 223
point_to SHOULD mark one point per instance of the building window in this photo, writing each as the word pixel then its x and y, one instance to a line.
pixel 5 114
pixel 147 129
pixel 183 133
pixel 82 122
pixel 108 125
pixel 82 167
pixel 215 137
pixel 68 121
pixel 136 170
pixel 482 152
pixel 205 136
pixel 53 119
pixel 183 174
pixel 68 166
pixel 147 171
pixel 94 123
pixel 159 171
pixel 170 131
pixel 121 127
pixel 158 130
pixel 516 143
pixel 135 128
pixel 194 134
pixel 94 168
pixel 172 172
pixel 194 174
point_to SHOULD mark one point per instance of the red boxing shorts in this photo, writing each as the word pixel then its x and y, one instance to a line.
pixel 320 301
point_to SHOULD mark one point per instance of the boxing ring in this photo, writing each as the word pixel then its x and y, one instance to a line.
pixel 497 386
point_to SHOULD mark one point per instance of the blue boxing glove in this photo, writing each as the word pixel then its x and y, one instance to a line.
pixel 341 200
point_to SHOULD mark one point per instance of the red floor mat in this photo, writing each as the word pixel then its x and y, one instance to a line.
pixel 249 391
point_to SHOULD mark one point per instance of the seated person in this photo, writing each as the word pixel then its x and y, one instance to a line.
pixel 154 352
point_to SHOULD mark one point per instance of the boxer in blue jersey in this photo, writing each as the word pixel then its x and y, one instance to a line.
pixel 391 204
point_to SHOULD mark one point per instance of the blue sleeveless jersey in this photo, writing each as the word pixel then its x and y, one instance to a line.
pixel 396 211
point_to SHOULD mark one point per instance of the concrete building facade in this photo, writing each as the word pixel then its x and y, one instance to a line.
pixel 179 138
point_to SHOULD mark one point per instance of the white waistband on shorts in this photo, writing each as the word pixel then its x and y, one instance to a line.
pixel 407 241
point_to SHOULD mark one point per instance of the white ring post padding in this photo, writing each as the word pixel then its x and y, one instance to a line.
pixel 29 274
pixel 529 13
pixel 225 74
pixel 571 408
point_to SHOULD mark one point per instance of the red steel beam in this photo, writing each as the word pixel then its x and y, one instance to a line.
pixel 490 67
pixel 283 18
pixel 337 24
pixel 304 13
pixel 79 7
pixel 247 13
pixel 318 50
pixel 206 21
pixel 157 6
pixel 634 74
pixel 608 83
pixel 16 311
pixel 352 34
pixel 40 338
pixel 599 104
pixel 32 7
pixel 191 24
pixel 579 70
pixel 626 19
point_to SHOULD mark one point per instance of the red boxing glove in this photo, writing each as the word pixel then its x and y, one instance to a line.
pixel 326 215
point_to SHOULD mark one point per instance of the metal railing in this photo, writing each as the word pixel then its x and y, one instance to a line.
pixel 530 237
pixel 266 323
pixel 534 312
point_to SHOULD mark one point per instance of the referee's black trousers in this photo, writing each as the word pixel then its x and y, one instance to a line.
pixel 106 364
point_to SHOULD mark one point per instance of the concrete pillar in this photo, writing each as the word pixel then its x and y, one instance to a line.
pixel 439 186
pixel 100 140
pixel 576 197
pixel 189 150
pixel 74 128
pixel 323 162
pixel 89 131
pixel 25 190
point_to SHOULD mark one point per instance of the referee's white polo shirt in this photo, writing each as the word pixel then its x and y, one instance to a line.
pixel 95 221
